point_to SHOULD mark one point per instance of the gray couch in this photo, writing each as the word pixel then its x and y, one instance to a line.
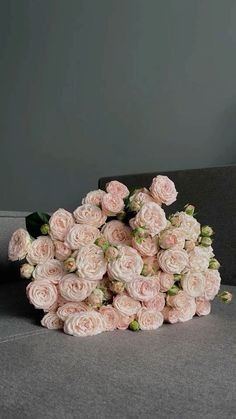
pixel 181 371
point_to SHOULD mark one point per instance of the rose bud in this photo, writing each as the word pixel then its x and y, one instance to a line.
pixel 175 220
pixel 96 297
pixel 177 277
pixel 173 290
pixel 45 229
pixel 101 242
pixel 134 325
pixel 121 215
pixel 225 296
pixel 189 245
pixel 26 270
pixel 206 231
pixel 139 232
pixel 206 241
pixel 189 209
pixel 214 264
pixel 111 253
pixel 117 287
pixel 70 265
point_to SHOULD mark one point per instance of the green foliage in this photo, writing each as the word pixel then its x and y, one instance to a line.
pixel 34 223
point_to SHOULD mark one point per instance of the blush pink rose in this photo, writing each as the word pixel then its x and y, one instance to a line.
pixel 112 204
pixel 166 281
pixel 19 245
pixel 147 246
pixel 51 270
pixel 94 197
pixel 150 266
pixel 212 287
pixel 111 317
pixel 127 265
pixel 139 198
pixel 70 308
pixel 152 218
pixel 156 303
pixel 178 301
pixel 87 323
pixel 60 223
pixel 172 238
pixel 111 253
pixel 198 259
pixel 143 288
pixel 170 315
pixel 188 224
pixel 187 312
pixel 89 214
pixel 203 306
pixel 52 321
pixel 117 188
pixel 91 263
pixel 116 232
pixel 42 294
pixel 75 289
pixel 193 283
pixel 173 261
pixel 124 321
pixel 82 235
pixel 163 190
pixel 96 298
pixel 126 305
pixel 62 250
pixel 40 251
pixel 149 319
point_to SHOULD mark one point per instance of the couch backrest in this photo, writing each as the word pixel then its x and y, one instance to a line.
pixel 213 192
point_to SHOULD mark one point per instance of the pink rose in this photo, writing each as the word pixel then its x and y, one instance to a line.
pixel 203 306
pixel 19 245
pixel 42 294
pixel 193 283
pixel 112 204
pixel 116 232
pixel 146 246
pixel 89 214
pixel 150 266
pixel 178 301
pixel 88 323
pixel 52 321
pixel 75 289
pixel 41 250
pixel 127 265
pixel 62 250
pixel 143 288
pixel 117 188
pixel 170 315
pixel 166 281
pixel 94 197
pixel 70 308
pixel 126 305
pixel 212 287
pixel 152 218
pixel 188 224
pixel 172 238
pixel 156 303
pixel 124 321
pixel 60 223
pixel 96 298
pixel 91 263
pixel 163 190
pixel 82 235
pixel 111 317
pixel 51 270
pixel 173 261
pixel 139 198
pixel 149 319
pixel 188 311
pixel 198 259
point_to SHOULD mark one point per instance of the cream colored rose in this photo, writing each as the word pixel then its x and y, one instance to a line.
pixel 70 308
pixel 139 198
pixel 188 224
pixel 163 190
pixel 52 321
pixel 170 315
pixel 152 218
pixel 203 306
pixel 193 283
pixel 82 235
pixel 172 238
pixel 117 188
pixel 60 223
pixel 147 246
pixel 127 265
pixel 42 294
pixel 26 270
pixel 82 324
pixel 178 301
pixel 198 259
pixel 116 232
pixel 94 197
pixel 173 261
pixel 91 263
pixel 89 214
pixel 75 289
pixel 111 317
pixel 96 298
pixel 117 287
pixel 70 265
pixel 212 287
pixel 112 204
pixel 187 312
pixel 143 288
pixel 51 270
pixel 41 250
pixel 62 250
pixel 156 303
pixel 150 266
pixel 19 245
pixel 126 305
pixel 149 319
pixel 166 281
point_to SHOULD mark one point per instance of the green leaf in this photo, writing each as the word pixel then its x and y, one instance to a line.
pixel 34 222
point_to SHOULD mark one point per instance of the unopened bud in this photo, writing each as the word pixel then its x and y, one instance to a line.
pixel 206 241
pixel 70 265
pixel 206 231
pixel 189 245
pixel 177 277
pixel 225 296
pixel 134 326
pixel 111 253
pixel 26 270
pixel 121 215
pixel 189 209
pixel 117 287
pixel 96 297
pixel 103 243
pixel 45 229
pixel 214 264
pixel 173 290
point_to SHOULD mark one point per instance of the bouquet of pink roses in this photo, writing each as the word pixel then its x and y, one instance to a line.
pixel 117 262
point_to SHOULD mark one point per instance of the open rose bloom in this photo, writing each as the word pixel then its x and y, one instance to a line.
pixel 117 261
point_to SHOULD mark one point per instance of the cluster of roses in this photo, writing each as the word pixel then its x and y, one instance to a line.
pixel 118 263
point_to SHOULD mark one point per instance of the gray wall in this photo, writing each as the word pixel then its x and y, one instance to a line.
pixel 103 87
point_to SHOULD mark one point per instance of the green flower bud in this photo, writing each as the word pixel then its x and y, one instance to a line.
pixel 101 242
pixel 121 215
pixel 206 231
pixel 134 326
pixel 177 277
pixel 206 241
pixel 189 209
pixel 214 264
pixel 225 296
pixel 44 229
pixel 173 290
